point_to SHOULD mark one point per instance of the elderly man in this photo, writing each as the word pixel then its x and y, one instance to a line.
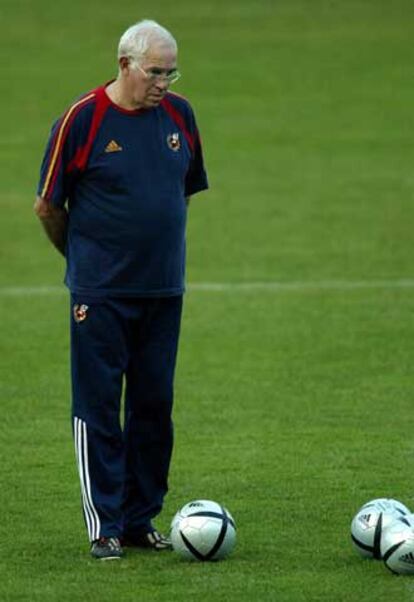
pixel 118 171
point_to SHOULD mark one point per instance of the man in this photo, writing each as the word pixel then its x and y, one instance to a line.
pixel 119 168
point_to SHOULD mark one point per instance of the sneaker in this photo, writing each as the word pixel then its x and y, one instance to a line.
pixel 151 540
pixel 107 548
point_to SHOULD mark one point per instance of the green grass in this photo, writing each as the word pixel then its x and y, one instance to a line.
pixel 293 406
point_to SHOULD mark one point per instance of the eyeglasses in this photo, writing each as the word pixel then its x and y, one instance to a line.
pixel 155 73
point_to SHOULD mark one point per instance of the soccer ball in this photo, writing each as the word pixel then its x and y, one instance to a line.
pixel 193 507
pixel 203 530
pixel 397 545
pixel 385 503
pixel 185 511
pixel 401 508
pixel 369 523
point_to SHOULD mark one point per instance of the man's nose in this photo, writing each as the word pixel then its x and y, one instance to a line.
pixel 163 83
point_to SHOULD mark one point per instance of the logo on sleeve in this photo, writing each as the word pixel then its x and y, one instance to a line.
pixel 80 312
pixel 173 141
pixel 113 147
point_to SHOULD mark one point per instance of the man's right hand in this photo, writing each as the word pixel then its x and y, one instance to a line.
pixel 54 221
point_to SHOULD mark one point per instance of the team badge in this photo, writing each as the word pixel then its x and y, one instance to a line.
pixel 80 312
pixel 173 141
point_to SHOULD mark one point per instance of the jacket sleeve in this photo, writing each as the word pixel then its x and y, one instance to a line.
pixel 196 178
pixel 67 138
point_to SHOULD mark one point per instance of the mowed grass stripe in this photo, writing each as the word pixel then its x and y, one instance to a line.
pixel 223 287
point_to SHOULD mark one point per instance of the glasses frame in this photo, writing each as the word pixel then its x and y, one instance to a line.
pixel 170 78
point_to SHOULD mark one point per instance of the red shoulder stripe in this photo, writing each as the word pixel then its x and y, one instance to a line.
pixel 80 159
pixel 59 140
pixel 179 120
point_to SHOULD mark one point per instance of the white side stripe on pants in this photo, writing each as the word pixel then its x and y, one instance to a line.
pixel 81 446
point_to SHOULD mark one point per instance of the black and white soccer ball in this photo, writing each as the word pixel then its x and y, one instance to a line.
pixel 397 545
pixel 369 523
pixel 203 530
pixel 387 503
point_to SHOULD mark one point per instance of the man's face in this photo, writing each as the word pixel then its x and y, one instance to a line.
pixel 148 85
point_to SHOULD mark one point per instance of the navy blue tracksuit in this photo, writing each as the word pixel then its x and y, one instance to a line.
pixel 123 176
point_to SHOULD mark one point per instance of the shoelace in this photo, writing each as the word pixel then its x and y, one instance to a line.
pixel 111 542
pixel 157 540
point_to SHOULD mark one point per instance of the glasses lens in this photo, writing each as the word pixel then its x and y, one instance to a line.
pixel 158 74
pixel 174 76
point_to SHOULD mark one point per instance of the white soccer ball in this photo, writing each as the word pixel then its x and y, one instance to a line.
pixel 397 545
pixel 386 504
pixel 186 510
pixel 369 523
pixel 400 507
pixel 203 530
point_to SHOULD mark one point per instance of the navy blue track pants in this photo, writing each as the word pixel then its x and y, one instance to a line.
pixel 131 345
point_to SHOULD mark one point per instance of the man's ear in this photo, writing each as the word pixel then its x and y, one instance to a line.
pixel 124 64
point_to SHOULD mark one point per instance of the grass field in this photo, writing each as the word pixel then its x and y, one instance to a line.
pixel 294 391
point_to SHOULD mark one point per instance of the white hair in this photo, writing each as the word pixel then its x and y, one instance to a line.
pixel 138 38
